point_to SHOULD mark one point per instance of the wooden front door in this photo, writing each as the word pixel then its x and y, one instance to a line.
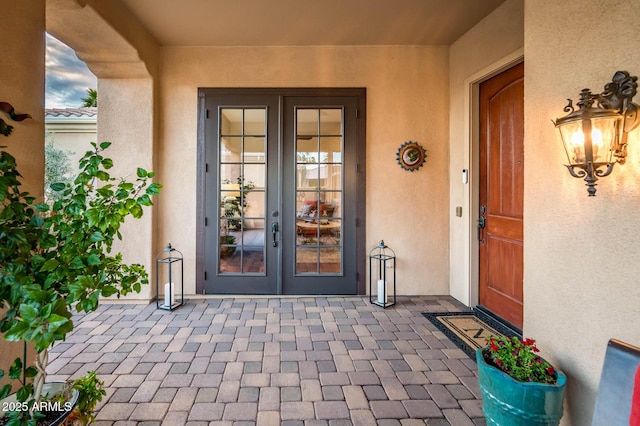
pixel 501 194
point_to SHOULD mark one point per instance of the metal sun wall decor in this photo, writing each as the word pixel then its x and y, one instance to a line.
pixel 411 156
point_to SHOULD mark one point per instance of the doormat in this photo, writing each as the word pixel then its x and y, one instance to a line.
pixel 467 330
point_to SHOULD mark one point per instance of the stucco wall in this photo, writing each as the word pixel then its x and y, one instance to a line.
pixel 127 122
pixel 407 99
pixel 22 84
pixel 478 52
pixel 581 253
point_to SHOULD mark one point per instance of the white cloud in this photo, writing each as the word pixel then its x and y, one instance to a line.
pixel 67 77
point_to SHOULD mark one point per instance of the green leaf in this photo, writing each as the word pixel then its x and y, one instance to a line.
pixel 23 393
pixel 36 221
pixel 96 237
pixel 154 189
pixel 107 163
pixel 108 290
pixel 103 176
pixel 5 391
pixel 58 186
pixel 42 207
pixel 142 172
pixel 31 372
pixel 77 263
pixel 136 211
pixel 49 265
pixel 28 313
pixel 16 369
pixel 93 259
pixel 104 145
pixel 56 321
pixel 144 200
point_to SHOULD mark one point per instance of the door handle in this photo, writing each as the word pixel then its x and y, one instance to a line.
pixel 274 232
pixel 482 223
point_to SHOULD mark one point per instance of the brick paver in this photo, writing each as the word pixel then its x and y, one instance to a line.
pixel 274 361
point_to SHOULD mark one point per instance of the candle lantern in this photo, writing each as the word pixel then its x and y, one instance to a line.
pixel 171 299
pixel 382 276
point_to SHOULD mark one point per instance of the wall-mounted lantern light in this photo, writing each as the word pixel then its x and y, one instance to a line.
pixel 595 135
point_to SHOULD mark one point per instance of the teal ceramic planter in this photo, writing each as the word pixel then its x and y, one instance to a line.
pixel 507 402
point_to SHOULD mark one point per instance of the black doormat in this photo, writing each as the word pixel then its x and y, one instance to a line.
pixel 469 330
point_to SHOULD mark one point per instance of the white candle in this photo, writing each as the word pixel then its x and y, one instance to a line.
pixel 382 296
pixel 169 296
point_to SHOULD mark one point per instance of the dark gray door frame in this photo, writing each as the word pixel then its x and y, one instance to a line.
pixel 360 217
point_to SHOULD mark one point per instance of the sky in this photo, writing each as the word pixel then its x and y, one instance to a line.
pixel 67 77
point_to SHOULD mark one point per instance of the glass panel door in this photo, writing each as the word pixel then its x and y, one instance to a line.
pixel 241 195
pixel 242 188
pixel 319 199
pixel 319 195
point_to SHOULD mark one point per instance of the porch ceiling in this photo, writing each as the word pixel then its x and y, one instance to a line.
pixel 308 22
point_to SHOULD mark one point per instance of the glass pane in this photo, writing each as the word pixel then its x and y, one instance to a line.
pixel 307 149
pixel 306 260
pixel 307 177
pixel 230 149
pixel 254 120
pixel 330 260
pixel 231 121
pixel 229 175
pixel 330 150
pixel 254 176
pixel 329 232
pixel 333 181
pixel 252 259
pixel 254 150
pixel 334 199
pixel 254 206
pixel 230 255
pixel 331 121
pixel 253 234
pixel 307 121
pixel 307 232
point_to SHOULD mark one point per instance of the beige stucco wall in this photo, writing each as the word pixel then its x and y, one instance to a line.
pixel 22 85
pixel 494 42
pixel 126 120
pixel 407 99
pixel 76 143
pixel 581 253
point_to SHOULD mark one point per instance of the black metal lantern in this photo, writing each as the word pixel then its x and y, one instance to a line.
pixel 382 272
pixel 595 135
pixel 173 259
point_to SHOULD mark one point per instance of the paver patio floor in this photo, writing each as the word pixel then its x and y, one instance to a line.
pixel 274 361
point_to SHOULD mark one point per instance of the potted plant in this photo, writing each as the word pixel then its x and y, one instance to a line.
pixel 91 390
pixel 59 258
pixel 518 386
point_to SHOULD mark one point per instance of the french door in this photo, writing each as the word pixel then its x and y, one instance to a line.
pixel 279 193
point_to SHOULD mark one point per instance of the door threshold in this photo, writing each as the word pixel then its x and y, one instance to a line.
pixel 267 296
pixel 491 318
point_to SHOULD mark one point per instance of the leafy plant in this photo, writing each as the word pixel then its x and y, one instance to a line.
pixel 57 169
pixel 91 390
pixel 53 259
pixel 518 359
pixel 91 100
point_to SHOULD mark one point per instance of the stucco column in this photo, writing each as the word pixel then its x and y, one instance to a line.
pixel 22 84
pixel 125 118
